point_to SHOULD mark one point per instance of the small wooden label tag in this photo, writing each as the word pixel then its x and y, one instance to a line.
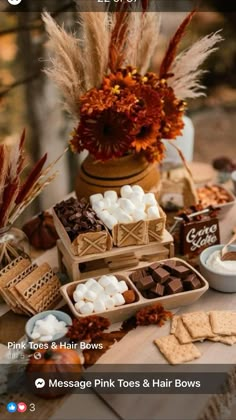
pixel 198 235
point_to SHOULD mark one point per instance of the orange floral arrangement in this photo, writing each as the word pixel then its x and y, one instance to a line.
pixel 121 107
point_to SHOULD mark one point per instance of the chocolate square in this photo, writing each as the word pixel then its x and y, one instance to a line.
pixel 146 283
pixel 148 294
pixel 181 271
pixel 192 282
pixel 153 267
pixel 136 276
pixel 158 289
pixel 160 275
pixel 169 265
pixel 174 286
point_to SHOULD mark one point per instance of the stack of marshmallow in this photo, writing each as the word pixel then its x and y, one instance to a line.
pixel 98 296
pixel 47 328
pixel 133 206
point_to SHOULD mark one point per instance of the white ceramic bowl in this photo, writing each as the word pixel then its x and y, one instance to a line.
pixel 219 281
pixel 61 316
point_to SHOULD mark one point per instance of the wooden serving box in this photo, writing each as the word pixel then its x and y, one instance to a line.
pixel 123 312
pixel 85 243
pixel 139 233
pixel 79 267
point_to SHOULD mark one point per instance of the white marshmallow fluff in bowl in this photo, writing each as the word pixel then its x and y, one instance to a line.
pixel 221 275
pixel 48 326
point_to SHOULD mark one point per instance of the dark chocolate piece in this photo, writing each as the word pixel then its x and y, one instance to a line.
pixel 160 275
pixel 153 267
pixel 146 283
pixel 181 271
pixel 77 216
pixel 174 286
pixel 192 282
pixel 158 289
pixel 169 265
pixel 136 276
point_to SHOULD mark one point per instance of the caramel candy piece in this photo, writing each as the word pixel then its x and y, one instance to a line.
pixel 160 275
pixel 146 283
pixel 158 289
pixel 174 286
pixel 192 282
pixel 181 271
pixel 129 296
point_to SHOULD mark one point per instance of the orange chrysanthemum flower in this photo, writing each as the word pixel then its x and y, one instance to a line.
pixel 105 135
pixel 145 137
pixel 156 152
pixel 123 78
pixel 96 100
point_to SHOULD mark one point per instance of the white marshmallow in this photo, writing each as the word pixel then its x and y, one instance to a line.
pixel 91 296
pixel 111 289
pixel 125 191
pixel 137 200
pixel 119 299
pixel 102 296
pixel 94 198
pixel 90 282
pixel 109 302
pixel 98 206
pixel 122 216
pixel 46 337
pixel 107 203
pixel 35 335
pixel 149 199
pixel 110 221
pixel 126 205
pixel 111 195
pixel 137 189
pixel 113 207
pixel 139 215
pixel 79 305
pixel 87 308
pixel 77 296
pixel 104 281
pixel 99 305
pixel 81 288
pixel 96 288
pixel 44 328
pixel 103 214
pixel 153 212
pixel 122 286
pixel 113 279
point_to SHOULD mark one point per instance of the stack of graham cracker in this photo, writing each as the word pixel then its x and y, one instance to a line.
pixel 28 288
pixel 215 326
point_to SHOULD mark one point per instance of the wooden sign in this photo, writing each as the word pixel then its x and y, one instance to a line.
pixel 198 235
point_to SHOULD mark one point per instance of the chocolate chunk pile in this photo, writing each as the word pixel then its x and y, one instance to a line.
pixel 78 217
pixel 167 278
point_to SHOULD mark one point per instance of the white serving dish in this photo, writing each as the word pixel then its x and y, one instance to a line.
pixel 223 282
pixel 125 311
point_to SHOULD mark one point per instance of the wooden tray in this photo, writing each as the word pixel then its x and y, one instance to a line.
pixel 125 311
pixel 114 260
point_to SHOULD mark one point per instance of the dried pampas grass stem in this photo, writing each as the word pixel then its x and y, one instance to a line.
pixel 185 68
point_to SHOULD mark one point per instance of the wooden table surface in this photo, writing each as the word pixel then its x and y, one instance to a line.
pixel 137 347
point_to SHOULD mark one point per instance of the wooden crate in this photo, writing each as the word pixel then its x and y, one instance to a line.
pixel 85 243
pixel 114 260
